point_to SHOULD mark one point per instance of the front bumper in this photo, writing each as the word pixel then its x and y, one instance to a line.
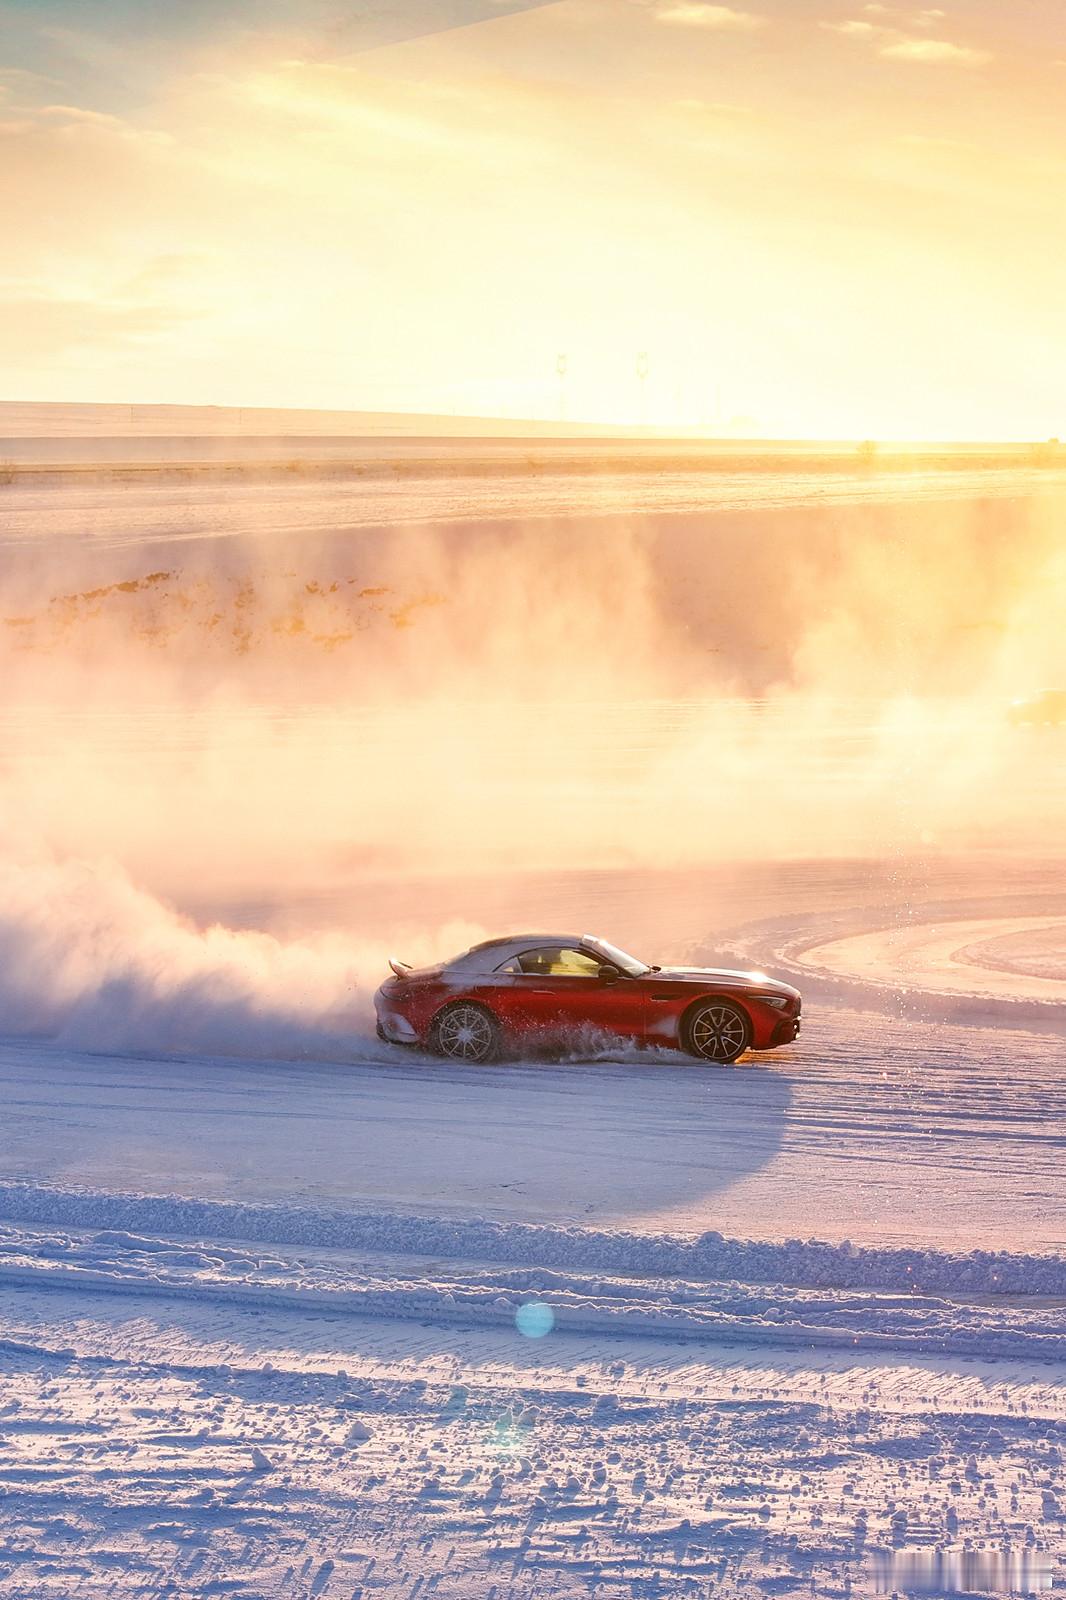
pixel 787 1030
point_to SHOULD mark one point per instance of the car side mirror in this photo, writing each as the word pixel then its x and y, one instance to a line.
pixel 609 974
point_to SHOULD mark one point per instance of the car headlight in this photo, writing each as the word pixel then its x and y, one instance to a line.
pixel 778 1001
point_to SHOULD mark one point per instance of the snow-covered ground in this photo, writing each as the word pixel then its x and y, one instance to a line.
pixel 188 1448
pixel 261 1321
pixel 288 1313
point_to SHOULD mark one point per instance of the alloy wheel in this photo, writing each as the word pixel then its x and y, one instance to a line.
pixel 465 1033
pixel 719 1033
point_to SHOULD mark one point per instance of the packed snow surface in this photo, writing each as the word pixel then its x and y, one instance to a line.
pixel 867 1129
pixel 802 1321
pixel 196 1449
pixel 1012 957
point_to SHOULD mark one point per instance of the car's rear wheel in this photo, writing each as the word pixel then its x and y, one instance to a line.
pixel 717 1030
pixel 465 1032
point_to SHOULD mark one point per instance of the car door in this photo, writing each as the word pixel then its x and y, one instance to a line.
pixel 561 993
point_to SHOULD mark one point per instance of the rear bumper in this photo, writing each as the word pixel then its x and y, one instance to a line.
pixel 397 1029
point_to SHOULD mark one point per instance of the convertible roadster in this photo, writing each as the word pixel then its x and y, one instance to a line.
pixel 508 996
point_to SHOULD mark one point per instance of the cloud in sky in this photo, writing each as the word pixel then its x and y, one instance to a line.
pixel 892 36
pixel 701 14
pixel 853 28
pixel 362 27
pixel 36 327
pixel 352 26
pixel 113 53
pixel 921 18
pixel 934 52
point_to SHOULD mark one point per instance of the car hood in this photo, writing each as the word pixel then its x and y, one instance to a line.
pixel 730 975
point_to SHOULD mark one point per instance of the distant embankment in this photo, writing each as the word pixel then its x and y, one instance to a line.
pixel 41 442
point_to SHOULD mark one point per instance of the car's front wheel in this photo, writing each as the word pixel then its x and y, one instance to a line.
pixel 718 1030
pixel 465 1032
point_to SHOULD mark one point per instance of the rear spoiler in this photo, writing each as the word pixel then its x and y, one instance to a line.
pixel 401 968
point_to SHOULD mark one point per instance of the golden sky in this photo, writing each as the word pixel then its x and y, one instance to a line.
pixel 816 219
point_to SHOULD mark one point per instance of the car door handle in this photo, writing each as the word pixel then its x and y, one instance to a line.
pixel 540 991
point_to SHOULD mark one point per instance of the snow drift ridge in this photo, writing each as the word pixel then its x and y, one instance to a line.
pixel 709 1257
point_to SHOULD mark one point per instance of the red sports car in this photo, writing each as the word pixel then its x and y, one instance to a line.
pixel 511 995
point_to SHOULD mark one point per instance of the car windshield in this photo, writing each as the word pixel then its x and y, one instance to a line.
pixel 617 957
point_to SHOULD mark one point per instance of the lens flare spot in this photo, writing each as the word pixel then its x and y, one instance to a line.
pixel 534 1319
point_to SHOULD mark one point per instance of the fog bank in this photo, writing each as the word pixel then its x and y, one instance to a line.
pixel 197 717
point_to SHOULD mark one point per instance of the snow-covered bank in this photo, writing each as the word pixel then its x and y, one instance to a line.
pixel 798 1263
pixel 718 1290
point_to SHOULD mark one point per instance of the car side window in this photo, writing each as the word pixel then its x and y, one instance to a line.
pixel 559 961
pixel 509 966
